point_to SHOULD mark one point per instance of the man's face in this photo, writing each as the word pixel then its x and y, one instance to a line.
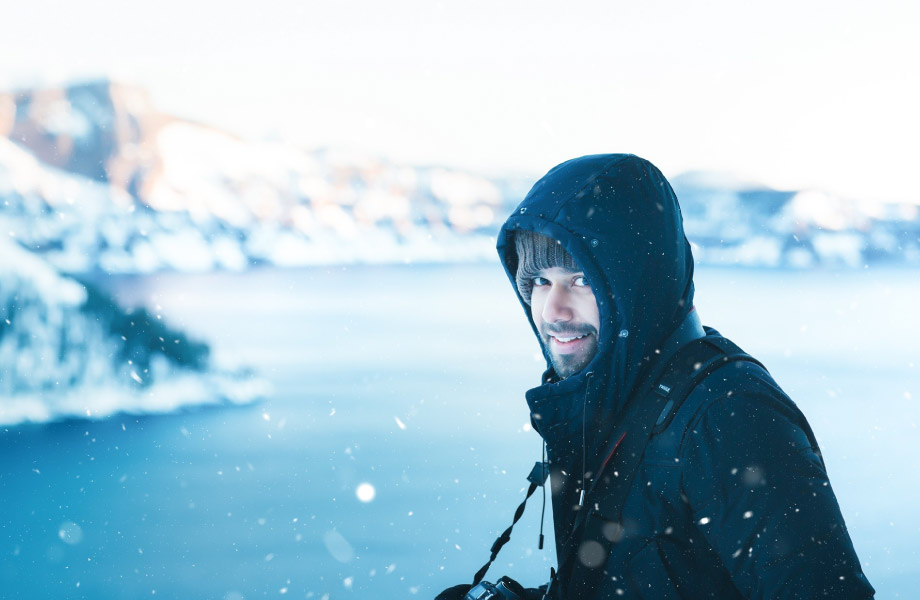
pixel 565 312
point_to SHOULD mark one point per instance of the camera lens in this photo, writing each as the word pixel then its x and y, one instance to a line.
pixel 513 589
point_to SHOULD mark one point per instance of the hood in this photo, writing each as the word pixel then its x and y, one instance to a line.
pixel 618 217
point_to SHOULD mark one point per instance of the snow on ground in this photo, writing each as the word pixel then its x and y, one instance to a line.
pixel 67 350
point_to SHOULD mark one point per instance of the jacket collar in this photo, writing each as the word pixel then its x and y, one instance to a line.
pixel 558 408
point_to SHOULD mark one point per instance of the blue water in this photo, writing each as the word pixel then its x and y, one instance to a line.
pixel 410 379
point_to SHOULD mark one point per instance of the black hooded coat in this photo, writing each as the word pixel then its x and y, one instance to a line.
pixel 734 502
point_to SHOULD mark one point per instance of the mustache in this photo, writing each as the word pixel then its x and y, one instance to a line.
pixel 567 329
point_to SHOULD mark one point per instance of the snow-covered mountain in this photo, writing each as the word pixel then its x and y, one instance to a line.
pixel 66 350
pixel 732 222
pixel 94 178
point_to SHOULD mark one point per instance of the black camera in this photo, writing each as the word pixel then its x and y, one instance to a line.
pixel 505 589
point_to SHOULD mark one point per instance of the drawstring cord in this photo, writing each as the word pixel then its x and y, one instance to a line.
pixel 543 511
pixel 584 441
pixel 554 574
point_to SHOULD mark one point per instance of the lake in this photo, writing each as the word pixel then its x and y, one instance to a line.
pixel 395 446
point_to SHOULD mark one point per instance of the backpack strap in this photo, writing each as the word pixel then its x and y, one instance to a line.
pixel 692 371
pixel 652 412
pixel 647 415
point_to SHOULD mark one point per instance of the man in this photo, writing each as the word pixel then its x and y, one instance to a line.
pixel 674 473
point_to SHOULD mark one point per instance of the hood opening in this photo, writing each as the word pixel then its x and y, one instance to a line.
pixel 618 217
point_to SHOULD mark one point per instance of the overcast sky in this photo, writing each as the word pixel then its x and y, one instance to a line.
pixel 791 93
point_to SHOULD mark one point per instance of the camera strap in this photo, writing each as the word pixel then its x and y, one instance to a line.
pixel 537 478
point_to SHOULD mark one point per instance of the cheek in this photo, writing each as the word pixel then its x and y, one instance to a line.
pixel 589 313
pixel 536 307
pixel 536 313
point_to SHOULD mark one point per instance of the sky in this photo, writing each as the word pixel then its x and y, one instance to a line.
pixel 796 95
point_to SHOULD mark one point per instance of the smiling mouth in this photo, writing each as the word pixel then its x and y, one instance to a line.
pixel 566 340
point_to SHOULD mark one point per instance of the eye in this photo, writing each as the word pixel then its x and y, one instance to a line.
pixel 540 281
pixel 581 281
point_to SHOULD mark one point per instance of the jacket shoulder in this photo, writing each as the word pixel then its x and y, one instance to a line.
pixel 740 396
pixel 756 488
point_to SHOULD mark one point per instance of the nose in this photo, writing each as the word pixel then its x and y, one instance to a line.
pixel 557 307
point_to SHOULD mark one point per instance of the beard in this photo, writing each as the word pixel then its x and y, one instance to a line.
pixel 568 363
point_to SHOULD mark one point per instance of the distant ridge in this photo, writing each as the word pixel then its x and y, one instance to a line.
pixel 95 179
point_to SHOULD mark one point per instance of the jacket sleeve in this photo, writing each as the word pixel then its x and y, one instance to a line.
pixel 759 493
